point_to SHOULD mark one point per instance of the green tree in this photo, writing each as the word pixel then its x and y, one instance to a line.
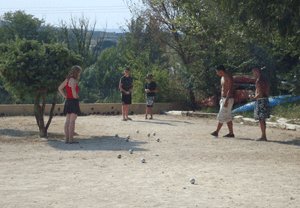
pixel 274 24
pixel 31 69
pixel 81 38
pixel 21 25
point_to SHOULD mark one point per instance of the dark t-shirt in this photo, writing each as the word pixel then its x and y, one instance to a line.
pixel 150 86
pixel 126 81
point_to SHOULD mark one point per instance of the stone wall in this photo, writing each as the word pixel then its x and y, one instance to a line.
pixel 87 109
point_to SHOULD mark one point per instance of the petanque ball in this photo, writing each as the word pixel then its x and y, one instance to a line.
pixel 116 135
pixel 119 156
pixel 143 160
pixel 157 140
pixel 137 131
pixel 192 181
pixel 130 151
pixel 154 134
pixel 127 139
pixel 148 134
pixel 128 136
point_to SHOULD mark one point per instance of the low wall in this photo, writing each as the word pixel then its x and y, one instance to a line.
pixel 88 109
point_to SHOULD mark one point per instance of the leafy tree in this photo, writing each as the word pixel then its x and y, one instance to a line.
pixel 21 25
pixel 81 38
pixel 102 78
pixel 197 45
pixel 31 69
pixel 276 23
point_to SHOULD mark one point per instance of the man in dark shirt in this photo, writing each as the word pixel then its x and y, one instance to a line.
pixel 150 89
pixel 126 86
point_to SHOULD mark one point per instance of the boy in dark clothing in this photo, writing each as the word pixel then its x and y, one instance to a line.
pixel 126 86
pixel 150 89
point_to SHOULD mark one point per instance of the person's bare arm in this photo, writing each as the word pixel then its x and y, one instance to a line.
pixel 130 90
pixel 61 87
pixel 73 87
pixel 259 93
pixel 230 90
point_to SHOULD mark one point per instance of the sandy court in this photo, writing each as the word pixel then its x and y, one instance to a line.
pixel 235 172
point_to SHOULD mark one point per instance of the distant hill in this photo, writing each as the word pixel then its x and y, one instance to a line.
pixel 113 36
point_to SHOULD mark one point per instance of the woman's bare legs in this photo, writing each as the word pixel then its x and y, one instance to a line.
pixel 73 117
pixel 67 124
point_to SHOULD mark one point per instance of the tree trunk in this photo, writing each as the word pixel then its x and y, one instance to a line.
pixel 51 112
pixel 39 113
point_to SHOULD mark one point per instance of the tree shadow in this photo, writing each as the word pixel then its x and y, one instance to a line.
pixel 96 143
pixel 17 133
pixel 161 122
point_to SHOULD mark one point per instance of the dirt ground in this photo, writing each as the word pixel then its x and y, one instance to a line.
pixel 234 172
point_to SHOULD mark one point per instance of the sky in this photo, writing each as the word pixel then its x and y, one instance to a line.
pixel 109 14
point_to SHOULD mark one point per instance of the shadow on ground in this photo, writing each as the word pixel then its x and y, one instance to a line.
pixel 295 142
pixel 161 122
pixel 95 143
pixel 17 133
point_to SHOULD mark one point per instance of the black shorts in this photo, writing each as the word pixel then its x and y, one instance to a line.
pixel 126 99
pixel 72 106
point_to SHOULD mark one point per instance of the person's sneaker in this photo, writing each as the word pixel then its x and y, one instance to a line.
pixel 229 135
pixel 214 134
pixel 129 119
pixel 261 140
pixel 124 119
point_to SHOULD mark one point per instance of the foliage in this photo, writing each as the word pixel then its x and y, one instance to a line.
pixel 272 23
pixel 81 39
pixel 21 25
pixel 28 66
pixel 102 78
pixel 31 69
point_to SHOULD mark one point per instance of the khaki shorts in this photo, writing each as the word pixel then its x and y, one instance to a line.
pixel 224 115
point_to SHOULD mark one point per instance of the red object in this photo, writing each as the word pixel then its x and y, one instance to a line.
pixel 241 95
pixel 243 79
pixel 69 90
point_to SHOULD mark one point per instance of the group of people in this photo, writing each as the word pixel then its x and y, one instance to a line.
pixel 261 98
pixel 261 112
pixel 72 109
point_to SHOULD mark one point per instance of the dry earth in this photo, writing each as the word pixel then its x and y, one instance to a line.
pixel 235 172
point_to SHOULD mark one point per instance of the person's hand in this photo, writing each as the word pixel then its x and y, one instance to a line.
pixel 225 104
pixel 147 90
pixel 127 92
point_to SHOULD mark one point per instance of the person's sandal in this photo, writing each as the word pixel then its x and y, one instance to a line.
pixel 124 119
pixel 129 119
pixel 214 134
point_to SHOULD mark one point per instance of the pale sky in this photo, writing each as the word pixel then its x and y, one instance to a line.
pixel 110 14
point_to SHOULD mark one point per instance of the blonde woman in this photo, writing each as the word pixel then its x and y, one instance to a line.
pixel 71 109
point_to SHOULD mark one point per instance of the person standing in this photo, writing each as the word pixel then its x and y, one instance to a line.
pixel 262 105
pixel 226 102
pixel 71 108
pixel 126 86
pixel 150 89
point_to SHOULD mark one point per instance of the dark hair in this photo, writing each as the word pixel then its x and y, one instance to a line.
pixel 126 69
pixel 220 67
pixel 149 75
